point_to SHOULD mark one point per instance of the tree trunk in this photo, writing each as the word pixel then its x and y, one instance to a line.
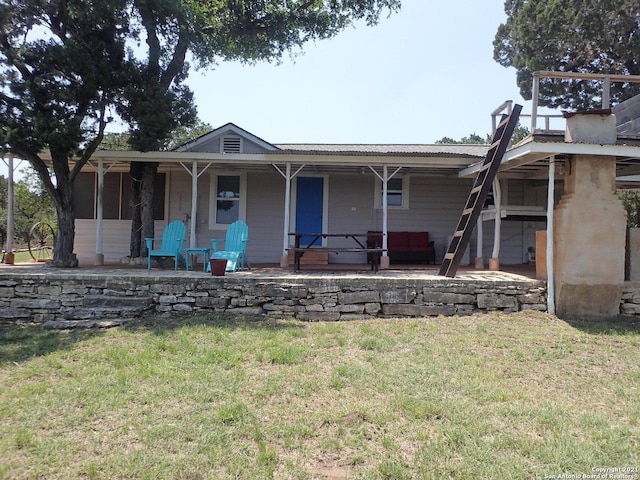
pixel 135 242
pixel 142 178
pixel 146 202
pixel 63 256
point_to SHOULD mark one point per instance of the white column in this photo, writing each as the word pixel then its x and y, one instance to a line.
pixel 385 209
pixel 385 177
pixel 494 261
pixel 284 259
pixel 534 100
pixel 288 176
pixel 100 215
pixel 479 263
pixel 551 295
pixel 9 258
pixel 194 204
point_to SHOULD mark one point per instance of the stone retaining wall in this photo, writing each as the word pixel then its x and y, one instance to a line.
pixel 630 305
pixel 68 300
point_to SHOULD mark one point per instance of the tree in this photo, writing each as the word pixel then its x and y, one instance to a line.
pixel 585 36
pixel 64 65
pixel 60 70
pixel 157 102
pixel 519 133
pixel 472 139
pixel 631 201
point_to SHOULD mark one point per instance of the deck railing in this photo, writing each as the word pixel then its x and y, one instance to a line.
pixel 605 78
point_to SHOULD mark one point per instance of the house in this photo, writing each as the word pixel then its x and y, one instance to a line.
pixel 230 173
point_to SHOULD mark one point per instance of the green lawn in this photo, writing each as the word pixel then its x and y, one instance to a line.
pixel 491 396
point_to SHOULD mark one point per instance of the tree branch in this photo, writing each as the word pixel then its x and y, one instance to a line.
pixel 177 61
pixel 149 23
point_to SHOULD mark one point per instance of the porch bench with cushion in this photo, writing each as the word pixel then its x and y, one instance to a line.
pixel 405 247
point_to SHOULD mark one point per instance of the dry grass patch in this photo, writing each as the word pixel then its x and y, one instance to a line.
pixel 489 396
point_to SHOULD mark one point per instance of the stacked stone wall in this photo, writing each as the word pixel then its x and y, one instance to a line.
pixel 91 300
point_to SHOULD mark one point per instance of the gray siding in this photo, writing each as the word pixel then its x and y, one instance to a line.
pixel 265 217
pixel 435 205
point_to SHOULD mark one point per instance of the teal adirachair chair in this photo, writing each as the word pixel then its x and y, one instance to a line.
pixel 170 244
pixel 235 247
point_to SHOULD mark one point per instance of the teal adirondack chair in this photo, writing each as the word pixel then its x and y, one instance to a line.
pixel 170 244
pixel 235 245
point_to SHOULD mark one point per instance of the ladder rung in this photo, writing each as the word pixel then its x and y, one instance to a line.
pixel 503 122
pixel 467 211
pixel 449 256
pixel 476 189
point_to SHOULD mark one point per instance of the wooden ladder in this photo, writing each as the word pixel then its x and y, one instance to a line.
pixel 479 192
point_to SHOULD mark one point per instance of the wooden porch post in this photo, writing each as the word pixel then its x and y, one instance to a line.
pixel 288 176
pixel 479 263
pixel 385 177
pixel 100 215
pixel 284 259
pixel 551 288
pixel 8 257
pixel 494 261
pixel 194 204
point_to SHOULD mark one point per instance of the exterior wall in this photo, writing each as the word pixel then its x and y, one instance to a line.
pixel 265 217
pixel 115 240
pixel 435 205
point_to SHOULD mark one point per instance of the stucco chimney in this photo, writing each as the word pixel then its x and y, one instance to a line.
pixel 592 126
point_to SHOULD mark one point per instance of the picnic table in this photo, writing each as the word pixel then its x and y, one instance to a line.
pixel 314 245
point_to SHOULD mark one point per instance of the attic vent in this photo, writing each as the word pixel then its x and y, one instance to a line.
pixel 232 145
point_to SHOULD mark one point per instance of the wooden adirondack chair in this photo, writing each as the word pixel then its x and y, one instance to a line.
pixel 235 245
pixel 170 244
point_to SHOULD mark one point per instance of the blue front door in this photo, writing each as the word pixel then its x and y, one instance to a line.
pixel 309 207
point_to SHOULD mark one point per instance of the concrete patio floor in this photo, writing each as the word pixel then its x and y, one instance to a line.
pixel 516 273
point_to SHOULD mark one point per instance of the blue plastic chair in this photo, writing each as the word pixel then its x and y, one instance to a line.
pixel 235 245
pixel 170 244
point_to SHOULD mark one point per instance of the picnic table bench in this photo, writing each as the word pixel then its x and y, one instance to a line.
pixel 373 254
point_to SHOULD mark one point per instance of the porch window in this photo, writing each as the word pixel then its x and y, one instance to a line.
pixel 397 193
pixel 228 192
pixel 116 196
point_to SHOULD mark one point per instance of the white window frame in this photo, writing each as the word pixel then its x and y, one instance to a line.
pixel 377 197
pixel 213 198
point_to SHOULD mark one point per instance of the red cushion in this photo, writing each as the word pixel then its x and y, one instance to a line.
pixel 398 242
pixel 419 241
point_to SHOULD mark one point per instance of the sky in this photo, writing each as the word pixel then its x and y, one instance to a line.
pixel 422 74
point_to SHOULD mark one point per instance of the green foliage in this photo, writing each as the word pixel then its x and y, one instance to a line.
pixel 570 36
pixel 31 204
pixel 263 31
pixel 631 201
pixel 61 69
pixel 519 133
pixel 180 136
pixel 472 139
